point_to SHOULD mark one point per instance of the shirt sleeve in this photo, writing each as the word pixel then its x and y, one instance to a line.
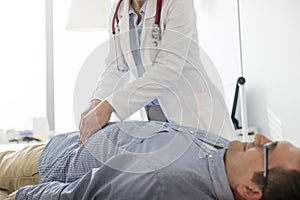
pixel 99 183
pixel 81 189
pixel 168 65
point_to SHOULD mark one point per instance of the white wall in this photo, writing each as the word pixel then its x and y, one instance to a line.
pixel 71 48
pixel 218 36
pixel 22 62
pixel 271 50
pixel 271 37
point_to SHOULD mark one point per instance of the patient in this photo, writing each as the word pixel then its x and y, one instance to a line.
pixel 153 160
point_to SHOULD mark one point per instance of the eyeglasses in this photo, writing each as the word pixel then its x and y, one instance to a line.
pixel 267 147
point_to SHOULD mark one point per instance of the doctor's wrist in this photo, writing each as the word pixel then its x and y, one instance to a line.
pixel 107 105
pixel 95 102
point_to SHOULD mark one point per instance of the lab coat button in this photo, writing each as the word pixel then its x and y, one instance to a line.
pixel 192 132
pixel 210 156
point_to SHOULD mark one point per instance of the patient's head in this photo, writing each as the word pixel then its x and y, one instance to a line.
pixel 245 163
pixel 282 184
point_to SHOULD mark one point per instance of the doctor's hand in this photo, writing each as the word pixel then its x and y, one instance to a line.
pixel 94 118
pixel 12 196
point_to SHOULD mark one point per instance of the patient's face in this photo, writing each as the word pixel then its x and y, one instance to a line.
pixel 243 159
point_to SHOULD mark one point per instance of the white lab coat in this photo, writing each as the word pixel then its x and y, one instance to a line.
pixel 173 74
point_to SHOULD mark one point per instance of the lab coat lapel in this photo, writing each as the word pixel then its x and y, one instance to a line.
pixel 124 35
pixel 146 35
pixel 150 9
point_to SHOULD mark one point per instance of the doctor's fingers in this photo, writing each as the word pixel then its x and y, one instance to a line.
pixel 91 127
pixel 12 196
pixel 88 115
pixel 95 119
pixel 88 126
pixel 86 133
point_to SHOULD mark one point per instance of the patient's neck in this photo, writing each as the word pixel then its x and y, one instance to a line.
pixel 230 176
pixel 228 169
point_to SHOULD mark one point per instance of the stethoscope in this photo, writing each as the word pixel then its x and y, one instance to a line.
pixel 156 30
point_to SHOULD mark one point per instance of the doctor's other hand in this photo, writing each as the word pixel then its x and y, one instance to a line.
pixel 12 196
pixel 94 118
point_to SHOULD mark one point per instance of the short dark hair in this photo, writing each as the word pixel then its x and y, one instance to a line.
pixel 282 184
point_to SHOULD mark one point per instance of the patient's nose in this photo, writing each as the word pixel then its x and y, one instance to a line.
pixel 261 139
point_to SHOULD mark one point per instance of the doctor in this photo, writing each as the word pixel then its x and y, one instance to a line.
pixel 158 46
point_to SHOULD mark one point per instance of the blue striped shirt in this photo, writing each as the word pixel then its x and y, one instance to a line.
pixel 103 168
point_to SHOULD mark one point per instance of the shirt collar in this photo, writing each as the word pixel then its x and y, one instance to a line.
pixel 219 176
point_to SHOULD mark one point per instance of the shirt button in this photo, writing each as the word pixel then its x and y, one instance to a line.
pixel 210 156
pixel 192 132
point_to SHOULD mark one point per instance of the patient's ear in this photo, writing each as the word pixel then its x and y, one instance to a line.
pixel 249 192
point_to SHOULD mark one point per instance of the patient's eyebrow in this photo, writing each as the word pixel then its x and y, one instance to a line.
pixel 271 147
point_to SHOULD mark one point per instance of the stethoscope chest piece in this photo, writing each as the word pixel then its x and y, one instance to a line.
pixel 156 34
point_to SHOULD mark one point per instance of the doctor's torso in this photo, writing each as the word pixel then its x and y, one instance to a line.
pixel 174 73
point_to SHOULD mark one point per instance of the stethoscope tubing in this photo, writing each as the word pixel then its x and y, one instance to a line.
pixel 115 23
pixel 116 18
